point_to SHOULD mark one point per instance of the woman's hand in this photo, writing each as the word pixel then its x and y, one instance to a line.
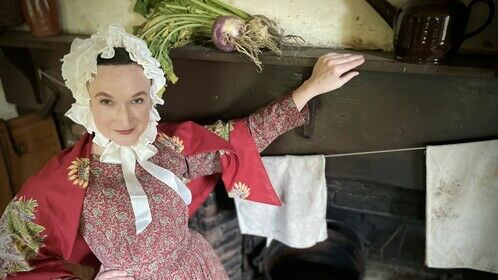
pixel 328 75
pixel 112 275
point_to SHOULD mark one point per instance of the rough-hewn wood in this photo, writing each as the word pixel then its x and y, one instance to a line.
pixel 464 65
pixel 470 65
pixel 50 62
pixel 6 189
pixel 34 141
pixel 374 111
pixel 399 169
pixel 26 40
pixel 376 197
pixel 224 90
pixel 18 77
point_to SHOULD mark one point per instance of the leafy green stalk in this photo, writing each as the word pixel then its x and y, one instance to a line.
pixel 175 23
pixel 243 15
pixel 210 8
pixel 144 6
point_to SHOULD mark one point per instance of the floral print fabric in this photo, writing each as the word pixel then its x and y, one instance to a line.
pixel 167 248
pixel 265 126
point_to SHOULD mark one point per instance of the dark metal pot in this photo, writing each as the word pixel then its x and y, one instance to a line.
pixel 340 257
pixel 430 31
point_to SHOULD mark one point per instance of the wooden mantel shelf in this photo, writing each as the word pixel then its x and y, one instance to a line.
pixel 377 61
pixel 467 65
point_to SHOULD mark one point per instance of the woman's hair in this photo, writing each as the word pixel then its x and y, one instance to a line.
pixel 121 57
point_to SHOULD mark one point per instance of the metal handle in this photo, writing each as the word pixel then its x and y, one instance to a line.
pixel 491 14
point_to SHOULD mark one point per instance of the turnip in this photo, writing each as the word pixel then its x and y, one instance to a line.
pixel 225 31
pixel 174 23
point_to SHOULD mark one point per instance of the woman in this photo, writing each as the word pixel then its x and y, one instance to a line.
pixel 121 197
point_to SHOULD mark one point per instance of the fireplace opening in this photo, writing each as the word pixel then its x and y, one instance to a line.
pixel 340 257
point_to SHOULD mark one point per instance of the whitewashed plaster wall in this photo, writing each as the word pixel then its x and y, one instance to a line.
pixel 324 23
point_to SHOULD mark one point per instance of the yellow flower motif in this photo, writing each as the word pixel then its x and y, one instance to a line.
pixel 174 142
pixel 240 190
pixel 79 172
pixel 221 129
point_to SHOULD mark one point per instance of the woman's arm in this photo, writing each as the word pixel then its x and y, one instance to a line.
pixel 273 120
pixel 329 73
pixel 284 114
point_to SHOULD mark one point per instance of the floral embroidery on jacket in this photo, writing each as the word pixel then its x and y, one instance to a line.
pixel 175 143
pixel 79 172
pixel 240 190
pixel 20 237
pixel 221 129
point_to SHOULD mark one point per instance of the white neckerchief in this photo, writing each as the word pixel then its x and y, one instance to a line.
pixel 128 157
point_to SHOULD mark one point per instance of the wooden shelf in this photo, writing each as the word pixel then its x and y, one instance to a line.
pixel 26 40
pixel 471 65
pixel 465 65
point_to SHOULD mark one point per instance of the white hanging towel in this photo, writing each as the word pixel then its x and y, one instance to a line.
pixel 462 206
pixel 300 222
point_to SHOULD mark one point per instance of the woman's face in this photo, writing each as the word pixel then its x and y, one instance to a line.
pixel 120 102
